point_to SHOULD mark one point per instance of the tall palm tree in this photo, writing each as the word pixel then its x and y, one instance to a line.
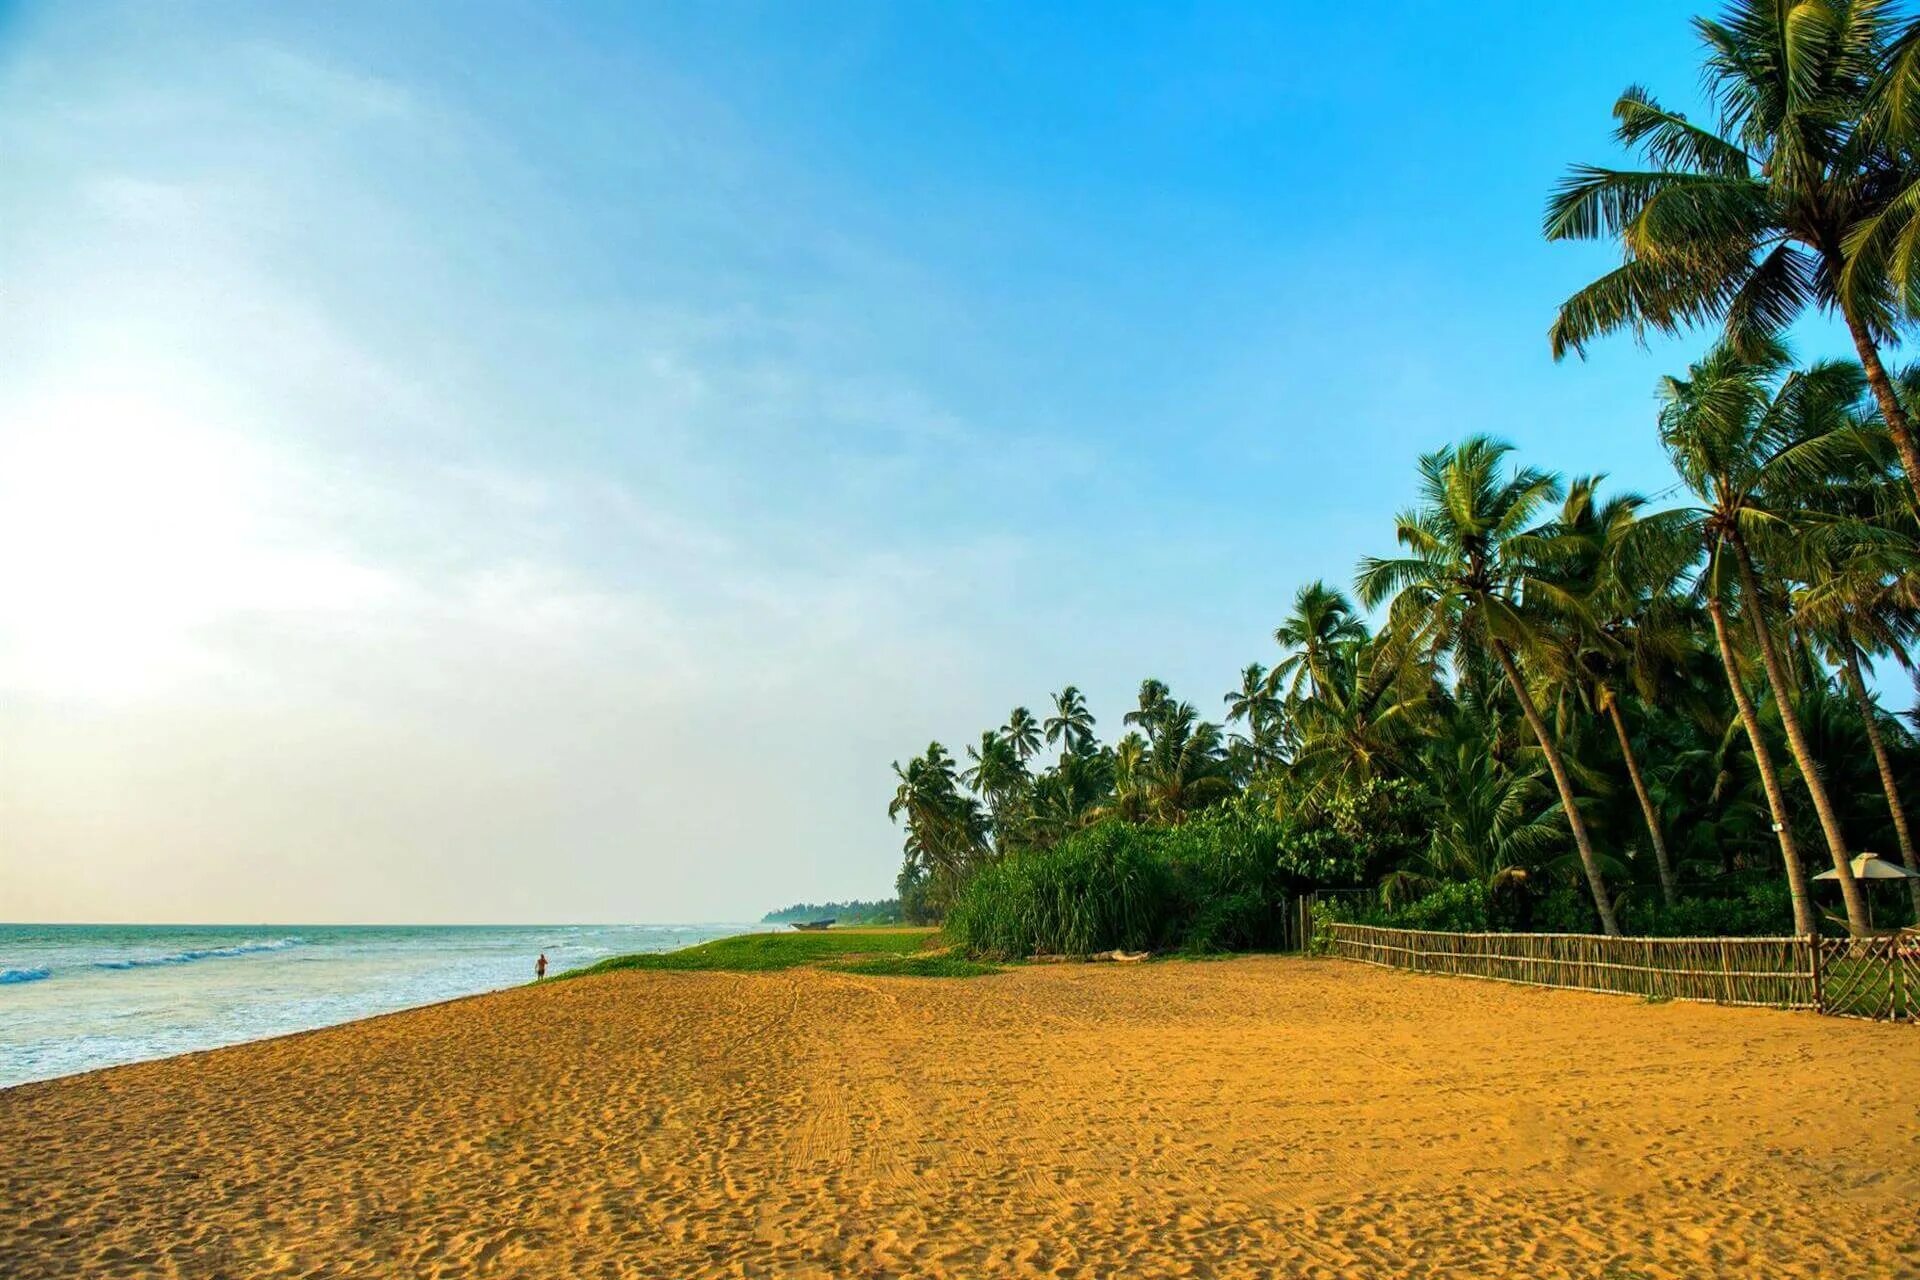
pixel 1868 601
pixel 1778 207
pixel 1744 433
pixel 1322 622
pixel 1255 705
pixel 1469 581
pixel 946 831
pixel 997 777
pixel 1624 592
pixel 1071 724
pixel 1154 702
pixel 1022 732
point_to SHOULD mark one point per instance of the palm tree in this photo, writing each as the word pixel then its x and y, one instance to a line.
pixel 1071 724
pixel 1069 795
pixel 1364 723
pixel 1022 732
pixel 997 776
pixel 1322 622
pixel 1868 600
pixel 1781 206
pixel 1621 570
pixel 946 831
pixel 1255 704
pixel 1492 826
pixel 1469 580
pixel 1154 702
pixel 1743 433
pixel 1184 768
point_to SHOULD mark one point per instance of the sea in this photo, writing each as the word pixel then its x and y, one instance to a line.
pixel 77 997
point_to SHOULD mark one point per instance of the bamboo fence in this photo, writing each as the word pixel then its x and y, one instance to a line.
pixel 1776 972
pixel 1871 977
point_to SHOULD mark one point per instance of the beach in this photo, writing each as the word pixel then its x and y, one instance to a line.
pixel 1242 1118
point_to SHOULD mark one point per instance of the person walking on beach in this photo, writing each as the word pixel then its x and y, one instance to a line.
pixel 540 967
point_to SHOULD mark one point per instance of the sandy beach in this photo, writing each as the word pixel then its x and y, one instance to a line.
pixel 1248 1118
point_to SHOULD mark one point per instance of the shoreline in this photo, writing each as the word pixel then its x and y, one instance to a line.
pixel 124 994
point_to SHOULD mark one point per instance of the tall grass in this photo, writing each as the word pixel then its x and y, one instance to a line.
pixel 1210 885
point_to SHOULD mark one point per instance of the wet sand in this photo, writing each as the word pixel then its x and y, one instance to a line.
pixel 1245 1118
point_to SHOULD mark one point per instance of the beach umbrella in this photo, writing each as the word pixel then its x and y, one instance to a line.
pixel 1871 866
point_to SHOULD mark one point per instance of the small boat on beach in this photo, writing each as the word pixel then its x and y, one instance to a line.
pixel 811 925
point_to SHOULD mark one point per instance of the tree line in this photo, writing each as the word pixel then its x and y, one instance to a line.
pixel 1576 686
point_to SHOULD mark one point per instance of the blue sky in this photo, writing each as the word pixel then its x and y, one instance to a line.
pixel 533 462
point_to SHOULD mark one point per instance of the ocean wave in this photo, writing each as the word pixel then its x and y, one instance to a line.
pixel 23 975
pixel 203 953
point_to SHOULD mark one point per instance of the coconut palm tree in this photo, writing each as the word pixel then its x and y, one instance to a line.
pixel 1778 206
pixel 1185 767
pixel 1022 732
pixel 1492 824
pixel 1254 704
pixel 1071 724
pixel 1155 701
pixel 1469 580
pixel 1321 624
pixel 946 831
pixel 1745 433
pixel 997 777
pixel 1867 601
pixel 1366 721
pixel 1621 568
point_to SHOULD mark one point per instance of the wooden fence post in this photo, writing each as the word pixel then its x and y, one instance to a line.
pixel 1813 970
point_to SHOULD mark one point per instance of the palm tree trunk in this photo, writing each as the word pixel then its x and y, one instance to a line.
pixel 1892 412
pixel 1901 833
pixel 1802 749
pixel 1662 862
pixel 1561 780
pixel 1804 920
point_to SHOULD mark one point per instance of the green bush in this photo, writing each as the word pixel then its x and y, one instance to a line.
pixel 1453 908
pixel 1211 884
pixel 1762 909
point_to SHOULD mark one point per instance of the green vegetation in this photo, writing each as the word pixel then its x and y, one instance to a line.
pixel 1565 707
pixel 884 911
pixel 938 964
pixel 763 952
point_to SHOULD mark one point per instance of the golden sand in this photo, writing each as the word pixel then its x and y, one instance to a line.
pixel 1249 1118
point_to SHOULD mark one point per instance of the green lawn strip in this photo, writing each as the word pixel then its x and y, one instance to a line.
pixel 938 964
pixel 766 952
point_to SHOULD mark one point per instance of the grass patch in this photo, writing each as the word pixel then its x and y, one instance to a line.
pixel 767 952
pixel 936 964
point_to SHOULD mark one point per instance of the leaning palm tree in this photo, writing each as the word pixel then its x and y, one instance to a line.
pixel 1745 434
pixel 1469 580
pixel 1775 208
pixel 1071 724
pixel 1322 622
